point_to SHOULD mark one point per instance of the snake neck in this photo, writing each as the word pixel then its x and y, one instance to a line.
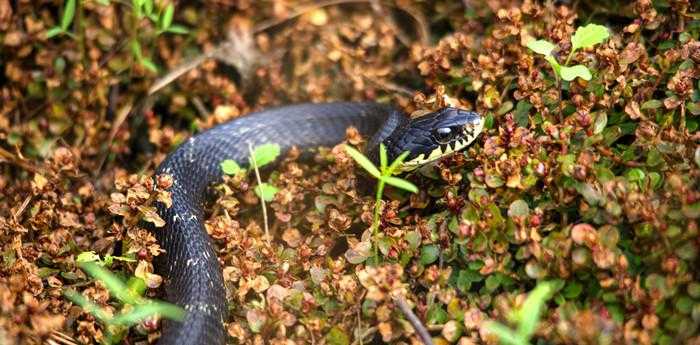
pixel 393 120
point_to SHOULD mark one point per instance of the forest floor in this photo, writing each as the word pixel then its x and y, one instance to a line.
pixel 573 218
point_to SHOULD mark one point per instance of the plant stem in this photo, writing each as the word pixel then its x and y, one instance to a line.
pixel 262 197
pixel 559 103
pixel 568 58
pixel 378 206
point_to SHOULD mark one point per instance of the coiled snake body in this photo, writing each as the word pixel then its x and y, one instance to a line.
pixel 193 278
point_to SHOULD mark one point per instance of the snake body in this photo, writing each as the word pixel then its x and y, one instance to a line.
pixel 193 277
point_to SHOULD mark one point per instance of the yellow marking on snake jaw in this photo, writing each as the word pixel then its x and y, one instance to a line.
pixel 471 132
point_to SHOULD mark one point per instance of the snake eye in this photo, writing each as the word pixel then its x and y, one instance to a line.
pixel 444 135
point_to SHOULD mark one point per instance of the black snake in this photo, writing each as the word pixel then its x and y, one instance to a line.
pixel 193 277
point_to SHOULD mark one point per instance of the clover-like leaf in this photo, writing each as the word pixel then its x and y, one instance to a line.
pixel 230 167
pixel 543 47
pixel 588 36
pixel 570 73
pixel 266 154
pixel 266 191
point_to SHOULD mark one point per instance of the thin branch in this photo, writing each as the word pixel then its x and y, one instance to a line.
pixel 122 114
pixel 387 85
pixel 11 158
pixel 413 319
pixel 180 70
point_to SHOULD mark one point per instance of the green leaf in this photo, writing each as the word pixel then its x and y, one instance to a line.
pixel 436 315
pixel 137 286
pixel 505 334
pixel 382 157
pixel 178 29
pixel 54 31
pixel 230 167
pixel 588 36
pixel 136 50
pixel 652 104
pixel 493 282
pixel 86 304
pixel 137 7
pixel 400 183
pixel 634 175
pixel 529 313
pixel 68 13
pixel 141 312
pixel 116 287
pixel 146 62
pixel 413 238
pixel 518 208
pixel 570 73
pixel 395 164
pixel 168 16
pixel 265 154
pixel 90 256
pixel 363 161
pixel 429 253
pixel 148 7
pixel 601 120
pixel 541 47
pixel 522 112
pixel 336 336
pixel 572 290
pixel 488 121
pixel 266 191
pixel 654 158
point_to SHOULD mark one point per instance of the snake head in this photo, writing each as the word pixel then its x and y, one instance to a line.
pixel 433 136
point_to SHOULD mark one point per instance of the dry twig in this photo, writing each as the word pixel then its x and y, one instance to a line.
pixel 413 319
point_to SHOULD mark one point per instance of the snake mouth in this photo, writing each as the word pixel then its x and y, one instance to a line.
pixel 461 135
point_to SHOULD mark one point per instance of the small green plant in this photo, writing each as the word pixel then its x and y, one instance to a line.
pixel 585 37
pixel 383 174
pixel 162 18
pixel 66 20
pixel 526 317
pixel 135 308
pixel 260 156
